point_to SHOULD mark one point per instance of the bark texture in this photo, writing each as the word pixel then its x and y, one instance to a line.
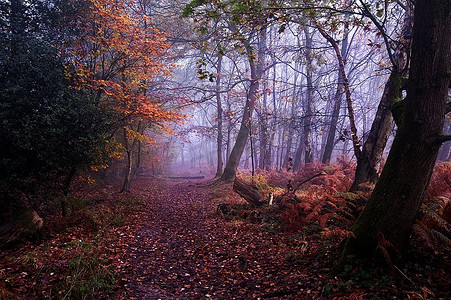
pixel 367 164
pixel 396 199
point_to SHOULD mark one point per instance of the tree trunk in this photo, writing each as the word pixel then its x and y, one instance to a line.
pixel 270 153
pixel 298 155
pixel 308 109
pixel 336 109
pixel 347 90
pixel 288 161
pixel 248 192
pixel 263 116
pixel 128 162
pixel 367 164
pixel 66 189
pixel 396 199
pixel 219 104
pixel 241 139
pixel 128 171
pixel 182 154
pixel 137 163
pixel 131 166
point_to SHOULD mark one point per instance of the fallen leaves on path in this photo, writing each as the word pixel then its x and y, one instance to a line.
pixel 183 250
pixel 167 240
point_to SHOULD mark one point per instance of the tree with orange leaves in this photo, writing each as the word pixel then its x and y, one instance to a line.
pixel 116 56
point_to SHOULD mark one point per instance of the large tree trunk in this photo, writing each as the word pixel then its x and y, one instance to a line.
pixel 256 69
pixel 396 199
pixel 367 164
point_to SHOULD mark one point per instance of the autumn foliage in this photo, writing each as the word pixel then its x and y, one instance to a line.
pixel 84 88
pixel 433 226
pixel 117 55
pixel 323 201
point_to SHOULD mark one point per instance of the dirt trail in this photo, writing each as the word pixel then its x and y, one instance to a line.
pixel 182 250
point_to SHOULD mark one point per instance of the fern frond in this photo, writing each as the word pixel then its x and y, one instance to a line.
pixel 423 233
pixel 442 239
pixel 385 255
pixel 382 246
pixel 304 206
pixel 435 219
pixel 337 233
pixel 332 204
pixel 312 216
pixel 324 218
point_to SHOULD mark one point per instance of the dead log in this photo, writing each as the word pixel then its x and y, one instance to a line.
pixel 248 192
pixel 24 226
pixel 187 177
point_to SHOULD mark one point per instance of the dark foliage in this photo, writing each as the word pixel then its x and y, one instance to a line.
pixel 48 129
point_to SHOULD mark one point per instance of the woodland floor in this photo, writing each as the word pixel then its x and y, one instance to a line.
pixel 175 245
pixel 181 249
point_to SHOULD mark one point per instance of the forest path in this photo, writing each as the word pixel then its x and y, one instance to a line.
pixel 181 249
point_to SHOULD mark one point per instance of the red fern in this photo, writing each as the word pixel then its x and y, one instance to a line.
pixel 433 226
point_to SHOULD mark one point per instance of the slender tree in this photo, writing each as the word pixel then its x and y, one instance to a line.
pixel 308 105
pixel 219 165
pixel 337 100
pixel 256 65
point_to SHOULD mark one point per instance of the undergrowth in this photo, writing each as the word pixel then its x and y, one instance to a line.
pixel 433 226
pixel 320 214
pixel 326 202
pixel 75 259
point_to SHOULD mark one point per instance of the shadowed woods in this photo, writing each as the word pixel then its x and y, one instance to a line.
pixel 102 100
pixel 196 239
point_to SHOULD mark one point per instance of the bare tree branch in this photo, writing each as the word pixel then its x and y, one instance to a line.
pixel 380 27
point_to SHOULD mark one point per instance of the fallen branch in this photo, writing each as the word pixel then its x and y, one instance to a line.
pixel 290 195
pixel 307 180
